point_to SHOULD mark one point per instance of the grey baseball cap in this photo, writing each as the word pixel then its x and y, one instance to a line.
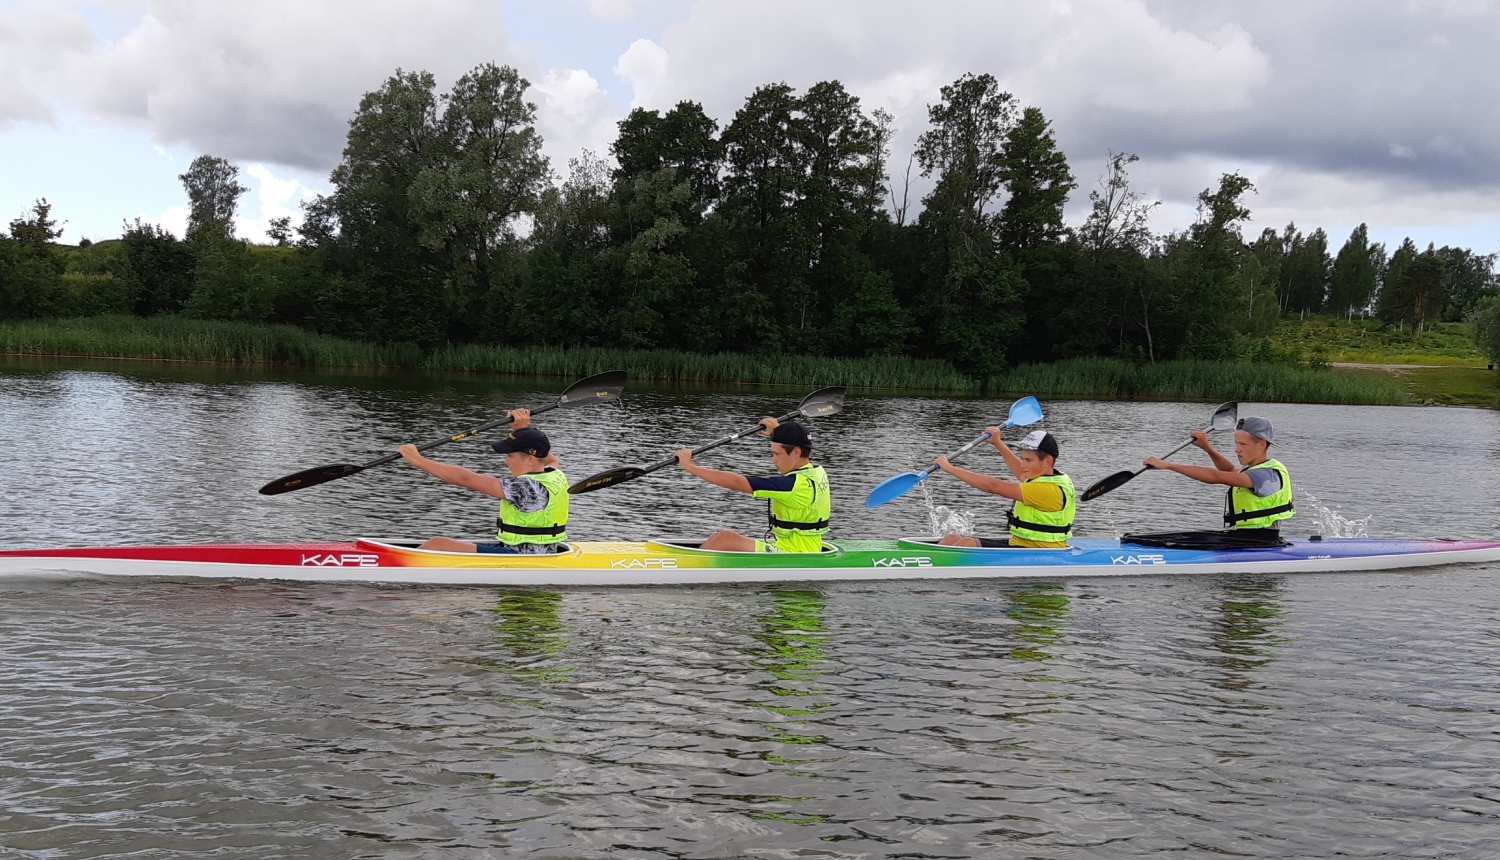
pixel 1260 428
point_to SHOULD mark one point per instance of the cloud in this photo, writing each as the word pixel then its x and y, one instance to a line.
pixel 34 39
pixel 611 9
pixel 277 198
pixel 644 65
pixel 274 81
pixel 573 114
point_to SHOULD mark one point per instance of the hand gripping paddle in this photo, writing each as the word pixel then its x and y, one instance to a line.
pixel 1224 419
pixel 594 389
pixel 819 404
pixel 1022 412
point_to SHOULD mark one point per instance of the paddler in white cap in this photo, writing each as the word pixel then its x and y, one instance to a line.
pixel 1045 502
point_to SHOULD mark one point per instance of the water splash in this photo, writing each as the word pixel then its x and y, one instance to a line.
pixel 945 520
pixel 1331 523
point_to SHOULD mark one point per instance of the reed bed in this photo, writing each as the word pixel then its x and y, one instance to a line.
pixel 179 338
pixel 1198 380
pixel 886 372
pixel 183 339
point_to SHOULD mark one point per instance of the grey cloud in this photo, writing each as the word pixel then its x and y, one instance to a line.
pixel 274 81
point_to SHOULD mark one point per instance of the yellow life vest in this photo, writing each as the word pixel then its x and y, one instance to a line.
pixel 1245 510
pixel 801 529
pixel 1030 523
pixel 546 526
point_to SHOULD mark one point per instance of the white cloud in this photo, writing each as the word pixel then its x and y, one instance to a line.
pixel 611 9
pixel 644 65
pixel 573 113
pixel 274 81
pixel 276 198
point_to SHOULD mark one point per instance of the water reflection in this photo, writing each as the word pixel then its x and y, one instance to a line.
pixel 531 629
pixel 1040 612
pixel 793 633
pixel 1244 630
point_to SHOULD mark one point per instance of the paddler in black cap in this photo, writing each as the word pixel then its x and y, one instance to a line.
pixel 1045 502
pixel 800 505
pixel 533 500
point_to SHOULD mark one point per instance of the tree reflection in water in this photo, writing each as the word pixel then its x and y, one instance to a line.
pixel 1039 612
pixel 793 632
pixel 531 630
pixel 1244 631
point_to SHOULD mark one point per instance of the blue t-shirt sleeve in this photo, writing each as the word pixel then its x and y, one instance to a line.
pixel 1264 482
pixel 778 484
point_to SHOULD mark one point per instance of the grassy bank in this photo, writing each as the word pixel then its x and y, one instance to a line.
pixel 197 340
pixel 1450 386
pixel 1201 380
pixel 1372 341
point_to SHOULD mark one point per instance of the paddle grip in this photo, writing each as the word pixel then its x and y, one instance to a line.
pixel 458 437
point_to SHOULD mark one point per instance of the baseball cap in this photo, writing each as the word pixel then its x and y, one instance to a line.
pixel 1260 428
pixel 1039 440
pixel 792 433
pixel 527 440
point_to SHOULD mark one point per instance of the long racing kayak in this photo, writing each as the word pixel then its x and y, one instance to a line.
pixel 681 563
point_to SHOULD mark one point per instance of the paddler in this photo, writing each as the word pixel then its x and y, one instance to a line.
pixel 798 494
pixel 533 500
pixel 1260 490
pixel 1045 502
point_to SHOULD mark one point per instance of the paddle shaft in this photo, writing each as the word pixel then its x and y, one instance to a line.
pixel 719 443
pixel 1174 451
pixel 458 437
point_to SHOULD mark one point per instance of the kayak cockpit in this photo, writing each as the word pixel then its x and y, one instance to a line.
pixel 829 550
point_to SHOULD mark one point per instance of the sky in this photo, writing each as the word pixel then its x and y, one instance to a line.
pixel 1339 111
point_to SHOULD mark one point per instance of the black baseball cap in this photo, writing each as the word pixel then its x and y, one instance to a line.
pixel 527 440
pixel 792 433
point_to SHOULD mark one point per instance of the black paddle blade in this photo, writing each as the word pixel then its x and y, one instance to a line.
pixel 1104 485
pixel 606 479
pixel 823 402
pixel 309 478
pixel 594 389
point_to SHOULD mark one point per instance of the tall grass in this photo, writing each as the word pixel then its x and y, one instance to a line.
pixel 667 365
pixel 199 340
pixel 1198 380
pixel 180 338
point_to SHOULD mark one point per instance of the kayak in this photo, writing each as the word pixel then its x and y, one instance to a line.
pixel 683 563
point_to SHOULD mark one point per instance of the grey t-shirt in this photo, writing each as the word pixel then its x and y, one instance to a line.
pixel 1264 482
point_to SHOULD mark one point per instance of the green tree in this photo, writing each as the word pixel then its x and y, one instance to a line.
pixel 1416 287
pixel 157 267
pixel 1485 318
pixel 1469 277
pixel 1305 269
pixel 1356 269
pixel 214 192
pixel 1207 277
pixel 971 301
pixel 1037 176
pixel 30 268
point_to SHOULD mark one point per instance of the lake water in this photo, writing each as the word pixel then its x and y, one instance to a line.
pixel 1297 716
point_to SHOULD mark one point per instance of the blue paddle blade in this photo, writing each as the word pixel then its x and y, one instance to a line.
pixel 893 488
pixel 1024 411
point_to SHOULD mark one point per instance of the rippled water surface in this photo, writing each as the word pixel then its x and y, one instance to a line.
pixel 1302 716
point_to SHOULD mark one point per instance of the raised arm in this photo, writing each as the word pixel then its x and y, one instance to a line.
pixel 981 481
pixel 728 480
pixel 451 474
pixel 1205 474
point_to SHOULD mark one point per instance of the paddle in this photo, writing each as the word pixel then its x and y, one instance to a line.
pixel 594 389
pixel 1224 419
pixel 1022 412
pixel 819 404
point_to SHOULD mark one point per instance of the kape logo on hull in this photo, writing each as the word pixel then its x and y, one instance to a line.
pixel 334 559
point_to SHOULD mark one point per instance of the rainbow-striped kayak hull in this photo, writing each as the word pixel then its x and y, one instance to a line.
pixel 678 563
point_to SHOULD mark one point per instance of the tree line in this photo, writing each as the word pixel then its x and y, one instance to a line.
pixel 784 229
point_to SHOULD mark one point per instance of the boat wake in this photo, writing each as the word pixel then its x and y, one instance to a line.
pixel 1333 524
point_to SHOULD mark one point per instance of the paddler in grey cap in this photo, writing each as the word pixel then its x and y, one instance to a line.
pixel 1260 493
pixel 1044 498
pixel 533 500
